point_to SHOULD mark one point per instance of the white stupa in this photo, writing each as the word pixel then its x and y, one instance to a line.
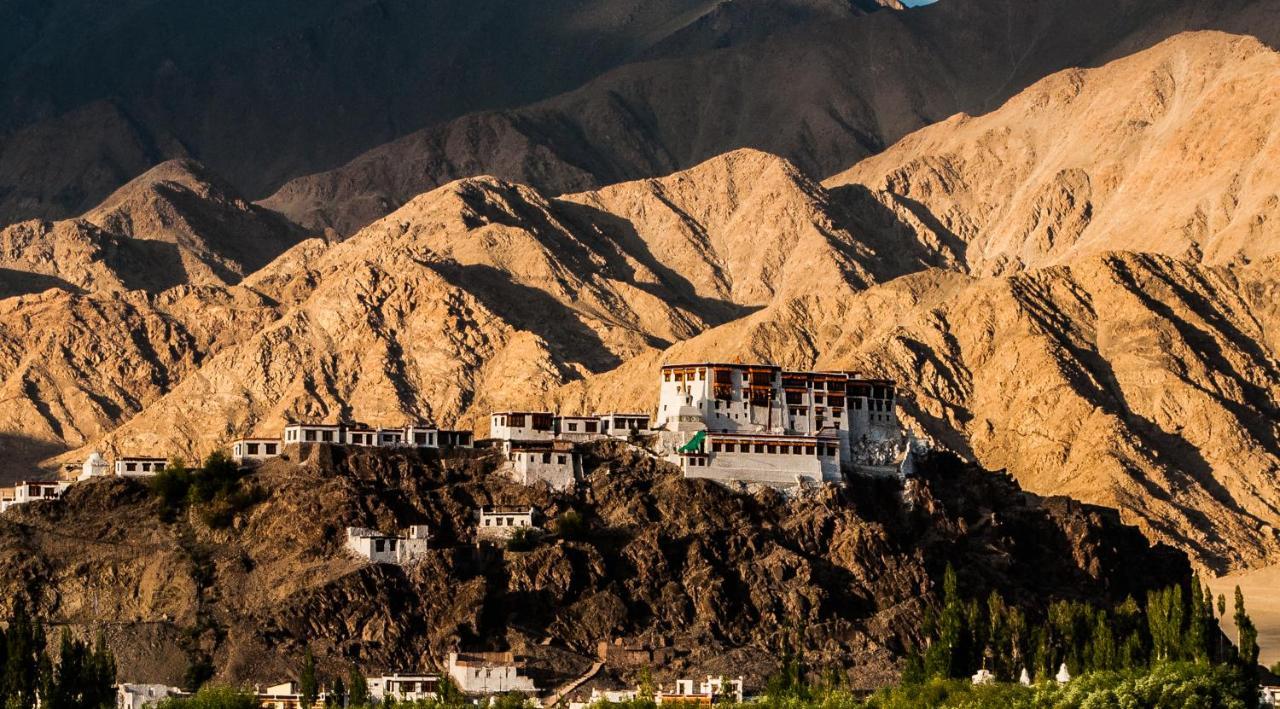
pixel 1063 676
pixel 95 466
pixel 1025 678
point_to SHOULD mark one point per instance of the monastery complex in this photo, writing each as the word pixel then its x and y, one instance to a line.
pixel 733 423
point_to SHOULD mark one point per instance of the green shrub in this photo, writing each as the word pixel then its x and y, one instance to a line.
pixel 570 525
pixel 521 539
pixel 212 697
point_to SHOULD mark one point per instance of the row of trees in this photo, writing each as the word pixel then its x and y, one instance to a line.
pixel 82 677
pixel 966 635
pixel 214 489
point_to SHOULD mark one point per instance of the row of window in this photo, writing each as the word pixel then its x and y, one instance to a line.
pixel 511 521
pixel 251 448
pixel 561 458
pixel 822 449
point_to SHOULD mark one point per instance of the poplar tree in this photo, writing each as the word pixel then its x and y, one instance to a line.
pixel 307 683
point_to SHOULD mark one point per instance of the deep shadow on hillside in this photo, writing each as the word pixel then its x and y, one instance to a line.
pixel 727 577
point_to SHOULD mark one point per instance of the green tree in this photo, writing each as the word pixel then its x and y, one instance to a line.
pixel 308 685
pixel 357 689
pixel 212 697
pixel 1200 616
pixel 450 694
pixel 942 657
pixel 24 657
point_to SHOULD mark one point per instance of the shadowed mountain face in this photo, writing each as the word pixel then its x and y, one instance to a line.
pixel 823 96
pixel 265 90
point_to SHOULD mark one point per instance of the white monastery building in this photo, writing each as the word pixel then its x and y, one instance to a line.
pixel 388 549
pixel 761 423
pixel 488 673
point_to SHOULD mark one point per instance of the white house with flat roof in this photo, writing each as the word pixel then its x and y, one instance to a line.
pixel 420 436
pixel 139 467
pixel 25 491
pixel 500 521
pixel 254 450
pixel 708 691
pixel 578 429
pixel 553 462
pixel 489 673
pixel 455 438
pixel 404 688
pixel 624 426
pixel 522 426
pixel 296 433
pixel 386 548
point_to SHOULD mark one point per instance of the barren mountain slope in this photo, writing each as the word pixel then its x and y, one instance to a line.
pixel 175 224
pixel 726 577
pixel 1173 150
pixel 483 291
pixel 75 366
pixel 823 95
pixel 263 90
pixel 1134 381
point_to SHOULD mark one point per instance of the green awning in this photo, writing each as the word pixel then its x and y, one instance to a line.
pixel 694 444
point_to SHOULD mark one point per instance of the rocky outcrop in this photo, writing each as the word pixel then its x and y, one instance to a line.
pixel 726 577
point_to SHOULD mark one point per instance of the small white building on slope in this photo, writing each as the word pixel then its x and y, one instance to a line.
pixel 382 548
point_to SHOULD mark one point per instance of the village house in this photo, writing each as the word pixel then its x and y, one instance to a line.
pixel 420 436
pixel 553 462
pixel 497 522
pixel 137 467
pixel 508 426
pixel 624 426
pixel 312 433
pixel 403 688
pixel 140 696
pixel 456 439
pixel 287 695
pixel 761 423
pixel 714 689
pixel 488 673
pixel 578 429
pixel 254 450
pixel 359 435
pixel 26 491
pixel 388 549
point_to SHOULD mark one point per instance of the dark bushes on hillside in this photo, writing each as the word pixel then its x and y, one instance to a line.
pixel 215 490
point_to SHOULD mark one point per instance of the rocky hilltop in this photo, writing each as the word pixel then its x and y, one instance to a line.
pixel 726 578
